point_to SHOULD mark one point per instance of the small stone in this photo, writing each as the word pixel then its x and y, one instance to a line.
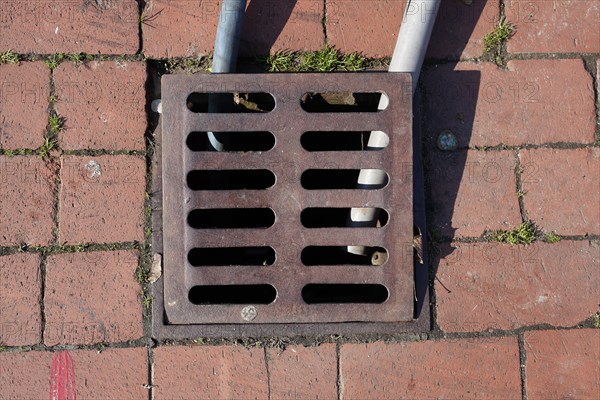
pixel 447 141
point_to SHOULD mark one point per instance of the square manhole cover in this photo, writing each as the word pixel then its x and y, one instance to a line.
pixel 261 198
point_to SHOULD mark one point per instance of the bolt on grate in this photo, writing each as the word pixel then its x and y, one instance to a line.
pixel 257 233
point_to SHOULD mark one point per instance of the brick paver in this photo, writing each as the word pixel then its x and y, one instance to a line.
pixel 92 298
pixel 24 99
pixel 28 186
pixel 465 368
pixel 181 28
pixel 554 26
pixel 562 189
pixel 20 311
pixel 103 105
pixel 460 27
pixel 101 199
pixel 497 286
pixel 107 374
pixel 284 25
pixel 531 102
pixel 303 372
pixel 203 372
pixel 563 364
pixel 373 33
pixel 45 27
pixel 473 192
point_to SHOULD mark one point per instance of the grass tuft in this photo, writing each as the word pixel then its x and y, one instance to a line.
pixel 325 60
pixel 525 234
pixel 8 57
pixel 596 320
pixel 495 42
pixel 281 61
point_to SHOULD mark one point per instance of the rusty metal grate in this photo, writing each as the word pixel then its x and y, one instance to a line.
pixel 237 247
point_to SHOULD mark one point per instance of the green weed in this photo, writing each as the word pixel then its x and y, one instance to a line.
pixel 8 57
pixel 325 60
pixel 526 233
pixel 54 60
pixel 495 42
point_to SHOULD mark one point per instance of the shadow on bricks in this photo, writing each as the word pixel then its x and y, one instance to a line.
pixel 263 22
pixel 444 151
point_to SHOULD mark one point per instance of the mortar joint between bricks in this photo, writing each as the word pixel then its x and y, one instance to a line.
pixel 519 189
pixel 522 365
pixel 324 22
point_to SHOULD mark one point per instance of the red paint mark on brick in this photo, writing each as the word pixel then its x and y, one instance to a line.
pixel 62 377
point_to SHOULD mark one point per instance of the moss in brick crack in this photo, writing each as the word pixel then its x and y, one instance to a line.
pixel 551 237
pixel 189 65
pixel 79 58
pixel 526 233
pixel 495 42
pixel 325 60
pixel 18 152
pixel 8 57
pixel 596 320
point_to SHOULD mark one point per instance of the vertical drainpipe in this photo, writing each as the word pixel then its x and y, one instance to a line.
pixel 225 56
pixel 411 46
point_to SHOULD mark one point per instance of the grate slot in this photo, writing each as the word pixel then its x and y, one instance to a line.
pixel 232 294
pixel 229 256
pixel 344 293
pixel 230 179
pixel 232 102
pixel 336 179
pixel 329 217
pixel 339 255
pixel 337 141
pixel 233 141
pixel 341 102
pixel 231 218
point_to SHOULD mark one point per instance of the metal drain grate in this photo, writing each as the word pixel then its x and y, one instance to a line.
pixel 259 236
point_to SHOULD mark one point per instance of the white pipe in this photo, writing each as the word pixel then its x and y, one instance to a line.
pixel 408 56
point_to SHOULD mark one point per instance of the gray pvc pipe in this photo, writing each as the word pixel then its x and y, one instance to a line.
pixel 225 56
pixel 408 56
